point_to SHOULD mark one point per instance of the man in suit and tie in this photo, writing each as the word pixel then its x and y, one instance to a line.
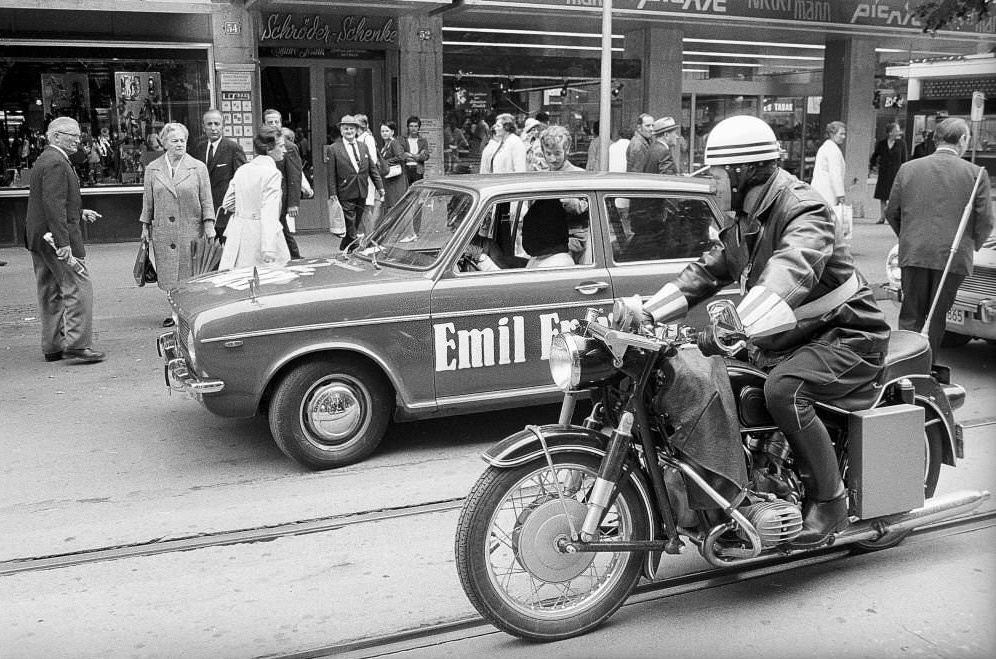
pixel 223 156
pixel 925 206
pixel 290 167
pixel 65 293
pixel 349 167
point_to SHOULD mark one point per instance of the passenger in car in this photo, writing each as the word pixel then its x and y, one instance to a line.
pixel 545 234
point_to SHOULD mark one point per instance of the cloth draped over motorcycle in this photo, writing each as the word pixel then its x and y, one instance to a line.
pixel 703 419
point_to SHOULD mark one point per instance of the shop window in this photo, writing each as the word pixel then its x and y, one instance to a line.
pixel 121 97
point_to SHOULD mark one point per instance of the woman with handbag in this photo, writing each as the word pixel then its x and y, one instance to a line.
pixel 392 155
pixel 176 208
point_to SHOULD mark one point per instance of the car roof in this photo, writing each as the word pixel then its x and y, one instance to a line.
pixel 493 184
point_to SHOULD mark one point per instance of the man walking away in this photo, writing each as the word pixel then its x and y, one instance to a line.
pixel 660 159
pixel 223 156
pixel 924 209
pixel 290 167
pixel 65 293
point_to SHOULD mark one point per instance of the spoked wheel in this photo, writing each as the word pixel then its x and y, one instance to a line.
pixel 508 557
pixel 932 438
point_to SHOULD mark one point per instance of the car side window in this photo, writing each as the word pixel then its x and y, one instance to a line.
pixel 656 227
pixel 530 233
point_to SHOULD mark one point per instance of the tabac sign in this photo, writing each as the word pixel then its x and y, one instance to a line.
pixel 285 29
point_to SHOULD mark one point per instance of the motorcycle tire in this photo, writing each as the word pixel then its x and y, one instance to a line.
pixel 508 561
pixel 933 438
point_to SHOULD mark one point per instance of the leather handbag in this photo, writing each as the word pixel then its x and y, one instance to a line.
pixel 144 272
pixel 393 171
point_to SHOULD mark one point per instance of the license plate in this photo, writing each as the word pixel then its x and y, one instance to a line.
pixel 956 316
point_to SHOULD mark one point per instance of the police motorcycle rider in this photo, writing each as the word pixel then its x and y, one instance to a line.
pixel 809 316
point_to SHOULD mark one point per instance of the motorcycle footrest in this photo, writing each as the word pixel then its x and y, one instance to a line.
pixel 614 546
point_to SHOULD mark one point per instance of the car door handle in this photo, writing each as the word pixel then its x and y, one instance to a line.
pixel 591 287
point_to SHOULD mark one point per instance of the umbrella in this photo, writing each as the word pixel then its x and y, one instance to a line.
pixel 205 255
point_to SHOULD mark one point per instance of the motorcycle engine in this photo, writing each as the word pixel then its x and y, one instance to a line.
pixel 776 521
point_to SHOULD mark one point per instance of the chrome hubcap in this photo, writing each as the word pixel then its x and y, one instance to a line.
pixel 535 541
pixel 333 411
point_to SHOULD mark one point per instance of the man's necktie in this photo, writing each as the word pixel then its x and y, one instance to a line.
pixel 210 151
pixel 356 154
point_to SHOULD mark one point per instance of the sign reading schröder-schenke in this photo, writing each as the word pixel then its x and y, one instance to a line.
pixel 880 13
pixel 329 31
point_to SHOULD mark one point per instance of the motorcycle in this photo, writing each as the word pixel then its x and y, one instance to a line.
pixel 566 518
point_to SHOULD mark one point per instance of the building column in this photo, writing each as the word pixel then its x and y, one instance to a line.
pixel 420 82
pixel 658 92
pixel 849 67
pixel 236 65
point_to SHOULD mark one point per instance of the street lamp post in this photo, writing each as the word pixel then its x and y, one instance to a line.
pixel 605 87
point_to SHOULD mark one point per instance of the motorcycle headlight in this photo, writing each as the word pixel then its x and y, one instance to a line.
pixel 578 362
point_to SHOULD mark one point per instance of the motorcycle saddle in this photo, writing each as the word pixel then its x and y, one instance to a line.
pixel 909 354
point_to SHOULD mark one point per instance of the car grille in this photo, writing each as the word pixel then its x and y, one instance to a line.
pixel 981 282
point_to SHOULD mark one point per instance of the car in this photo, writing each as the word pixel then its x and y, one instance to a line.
pixel 437 311
pixel 973 313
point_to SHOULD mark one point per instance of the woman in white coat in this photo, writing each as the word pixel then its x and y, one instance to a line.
pixel 254 235
pixel 506 151
pixel 828 171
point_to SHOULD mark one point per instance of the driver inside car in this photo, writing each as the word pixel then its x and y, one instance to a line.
pixel 810 317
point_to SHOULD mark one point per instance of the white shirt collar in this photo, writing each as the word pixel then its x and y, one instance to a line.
pixel 61 150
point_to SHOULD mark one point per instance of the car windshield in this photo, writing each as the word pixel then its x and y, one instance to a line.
pixel 415 232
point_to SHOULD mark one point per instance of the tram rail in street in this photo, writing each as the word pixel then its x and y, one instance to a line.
pixel 157 547
pixel 222 538
pixel 473 626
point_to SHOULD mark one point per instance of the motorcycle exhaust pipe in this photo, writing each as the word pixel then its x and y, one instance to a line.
pixel 934 510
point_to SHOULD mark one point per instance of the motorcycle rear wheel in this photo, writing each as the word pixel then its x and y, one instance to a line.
pixel 508 561
pixel 933 437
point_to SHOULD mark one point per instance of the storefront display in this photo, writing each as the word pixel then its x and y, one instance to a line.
pixel 121 97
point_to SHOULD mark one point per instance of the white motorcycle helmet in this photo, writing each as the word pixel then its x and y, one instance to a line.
pixel 741 139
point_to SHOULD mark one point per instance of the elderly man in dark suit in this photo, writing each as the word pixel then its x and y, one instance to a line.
pixel 925 206
pixel 65 294
pixel 290 167
pixel 349 167
pixel 223 156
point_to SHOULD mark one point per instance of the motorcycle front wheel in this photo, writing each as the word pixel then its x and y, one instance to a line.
pixel 509 562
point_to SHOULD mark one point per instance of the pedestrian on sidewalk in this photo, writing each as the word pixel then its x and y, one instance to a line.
pixel 177 208
pixel 290 168
pixel 889 154
pixel 925 207
pixel 65 293
pixel 255 233
pixel 222 156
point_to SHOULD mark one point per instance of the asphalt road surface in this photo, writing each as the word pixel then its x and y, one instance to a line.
pixel 100 456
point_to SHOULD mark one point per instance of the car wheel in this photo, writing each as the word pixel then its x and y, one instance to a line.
pixel 330 412
pixel 952 340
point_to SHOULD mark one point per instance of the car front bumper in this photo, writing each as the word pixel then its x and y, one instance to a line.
pixel 178 373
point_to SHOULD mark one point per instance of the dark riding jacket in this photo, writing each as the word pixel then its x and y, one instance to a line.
pixel 784 241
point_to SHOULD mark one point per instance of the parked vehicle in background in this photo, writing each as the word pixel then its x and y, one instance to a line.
pixel 434 313
pixel 973 314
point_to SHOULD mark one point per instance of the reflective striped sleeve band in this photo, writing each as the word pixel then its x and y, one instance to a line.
pixel 667 304
pixel 763 313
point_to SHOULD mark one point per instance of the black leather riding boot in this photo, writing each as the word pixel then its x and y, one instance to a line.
pixel 825 508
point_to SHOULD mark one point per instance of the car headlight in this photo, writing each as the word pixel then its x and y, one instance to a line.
pixel 893 273
pixel 191 349
pixel 579 362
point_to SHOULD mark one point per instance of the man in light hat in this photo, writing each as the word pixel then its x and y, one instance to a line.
pixel 660 160
pixel 350 170
pixel 535 162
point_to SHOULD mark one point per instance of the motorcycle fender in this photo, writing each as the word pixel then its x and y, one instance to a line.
pixel 524 446
pixel 935 398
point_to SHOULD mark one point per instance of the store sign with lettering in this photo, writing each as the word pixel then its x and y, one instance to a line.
pixel 880 13
pixel 329 31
